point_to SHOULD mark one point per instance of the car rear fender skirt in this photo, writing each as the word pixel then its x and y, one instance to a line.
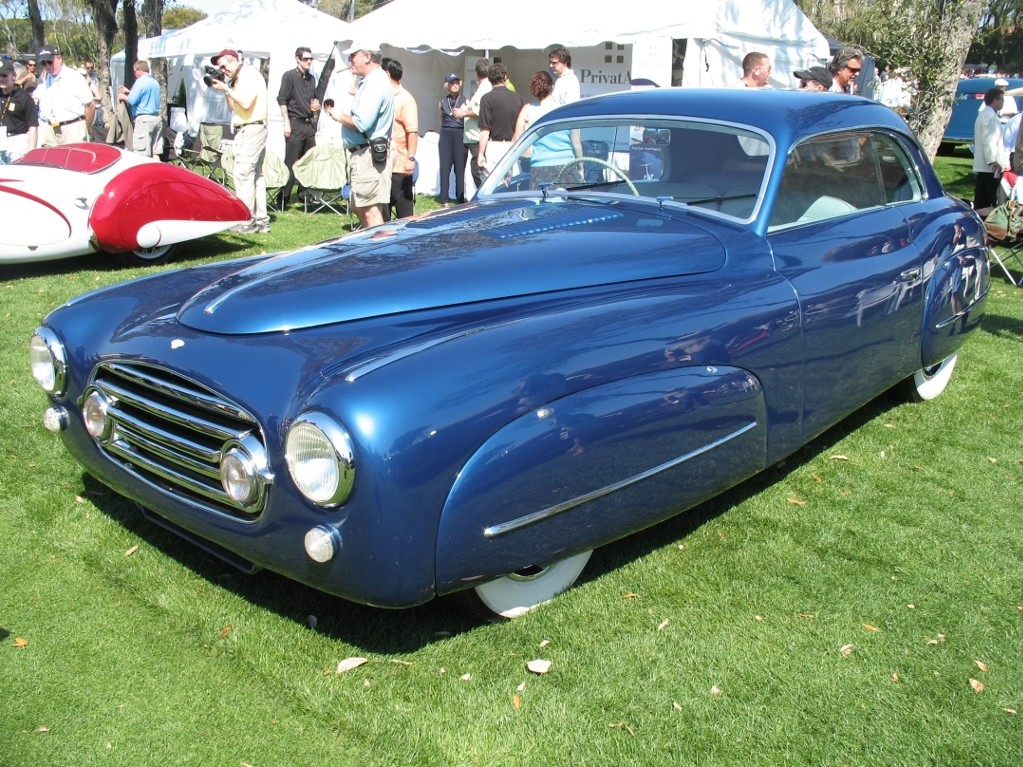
pixel 956 295
pixel 597 465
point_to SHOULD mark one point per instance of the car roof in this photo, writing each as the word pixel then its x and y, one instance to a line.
pixel 789 116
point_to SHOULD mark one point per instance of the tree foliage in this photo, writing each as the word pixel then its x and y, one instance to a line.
pixel 929 37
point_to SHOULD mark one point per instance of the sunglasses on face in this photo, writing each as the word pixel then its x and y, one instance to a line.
pixel 306 58
pixel 854 70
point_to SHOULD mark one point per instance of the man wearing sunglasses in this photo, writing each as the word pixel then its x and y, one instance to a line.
pixel 301 110
pixel 66 106
pixel 845 67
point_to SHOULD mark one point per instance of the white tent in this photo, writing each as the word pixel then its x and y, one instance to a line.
pixel 611 44
pixel 259 30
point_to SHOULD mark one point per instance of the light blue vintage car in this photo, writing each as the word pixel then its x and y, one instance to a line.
pixel 654 296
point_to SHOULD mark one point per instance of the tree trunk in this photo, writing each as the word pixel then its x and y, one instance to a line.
pixel 35 20
pixel 152 26
pixel 953 25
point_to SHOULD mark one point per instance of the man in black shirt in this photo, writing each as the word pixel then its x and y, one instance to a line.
pixel 301 110
pixel 499 110
pixel 19 116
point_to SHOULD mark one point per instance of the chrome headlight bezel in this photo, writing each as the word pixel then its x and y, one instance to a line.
pixel 48 361
pixel 321 459
pixel 245 473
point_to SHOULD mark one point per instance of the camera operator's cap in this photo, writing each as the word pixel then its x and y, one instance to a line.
pixel 225 52
pixel 820 74
pixel 47 53
pixel 452 78
pixel 6 68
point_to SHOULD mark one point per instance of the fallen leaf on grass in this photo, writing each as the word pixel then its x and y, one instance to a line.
pixel 131 551
pixel 868 627
pixel 630 595
pixel 544 643
pixel 715 690
pixel 889 426
pixel 796 501
pixel 1011 711
pixel 992 459
pixel 981 665
pixel 622 726
pixel 977 685
pixel 896 678
pixel 350 663
pixel 517 702
pixel 225 632
pixel 399 662
pixel 20 642
pixel 676 705
pixel 937 640
pixel 805 616
pixel 521 687
pixel 41 729
pixel 466 677
pixel 539 666
pixel 839 458
pixel 846 650
pixel 663 624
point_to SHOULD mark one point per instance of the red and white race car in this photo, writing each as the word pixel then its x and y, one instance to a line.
pixel 86 198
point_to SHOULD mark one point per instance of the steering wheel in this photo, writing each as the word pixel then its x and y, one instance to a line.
pixel 604 163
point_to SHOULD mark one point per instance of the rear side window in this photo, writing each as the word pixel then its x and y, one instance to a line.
pixel 836 175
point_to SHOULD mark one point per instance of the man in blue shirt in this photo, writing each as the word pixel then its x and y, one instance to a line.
pixel 144 102
pixel 369 122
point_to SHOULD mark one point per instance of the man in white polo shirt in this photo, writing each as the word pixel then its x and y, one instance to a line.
pixel 66 106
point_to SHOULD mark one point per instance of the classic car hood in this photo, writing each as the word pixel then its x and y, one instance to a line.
pixel 485 251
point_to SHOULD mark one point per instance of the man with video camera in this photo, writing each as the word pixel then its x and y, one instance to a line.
pixel 247 97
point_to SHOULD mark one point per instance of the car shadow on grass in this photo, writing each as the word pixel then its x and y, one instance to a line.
pixel 1002 327
pixel 385 631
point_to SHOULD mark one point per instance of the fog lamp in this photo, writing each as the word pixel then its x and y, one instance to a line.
pixel 322 543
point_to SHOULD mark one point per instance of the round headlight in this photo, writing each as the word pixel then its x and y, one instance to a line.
pixel 243 473
pixel 321 459
pixel 94 415
pixel 49 361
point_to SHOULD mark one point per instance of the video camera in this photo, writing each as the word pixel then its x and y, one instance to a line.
pixel 211 74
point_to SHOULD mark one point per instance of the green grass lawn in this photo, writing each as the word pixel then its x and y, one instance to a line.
pixel 860 604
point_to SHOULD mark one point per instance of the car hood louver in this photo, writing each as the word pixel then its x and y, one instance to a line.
pixel 484 252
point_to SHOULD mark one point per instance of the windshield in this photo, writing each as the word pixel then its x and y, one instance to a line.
pixel 713 166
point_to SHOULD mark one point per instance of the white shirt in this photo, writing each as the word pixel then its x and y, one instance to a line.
pixel 63 97
pixel 567 88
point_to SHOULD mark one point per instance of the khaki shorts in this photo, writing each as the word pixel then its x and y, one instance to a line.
pixel 371 184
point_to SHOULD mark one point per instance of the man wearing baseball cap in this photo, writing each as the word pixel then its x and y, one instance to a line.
pixel 247 96
pixel 66 106
pixel 814 79
pixel 17 115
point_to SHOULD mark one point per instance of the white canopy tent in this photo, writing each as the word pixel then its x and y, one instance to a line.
pixel 259 30
pixel 611 45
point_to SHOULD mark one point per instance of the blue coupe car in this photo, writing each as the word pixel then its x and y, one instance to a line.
pixel 654 296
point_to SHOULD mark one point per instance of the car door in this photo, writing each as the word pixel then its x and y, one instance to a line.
pixel 841 240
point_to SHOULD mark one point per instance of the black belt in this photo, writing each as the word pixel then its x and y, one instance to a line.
pixel 148 114
pixel 254 122
pixel 356 148
pixel 67 122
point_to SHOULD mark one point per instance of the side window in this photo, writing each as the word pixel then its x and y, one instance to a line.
pixel 828 177
pixel 898 175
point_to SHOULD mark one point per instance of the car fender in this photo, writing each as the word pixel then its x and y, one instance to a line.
pixel 562 477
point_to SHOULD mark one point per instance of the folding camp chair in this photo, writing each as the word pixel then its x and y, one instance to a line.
pixel 1003 226
pixel 205 156
pixel 276 176
pixel 323 172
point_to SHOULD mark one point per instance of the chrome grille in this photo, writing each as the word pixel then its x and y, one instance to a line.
pixel 171 432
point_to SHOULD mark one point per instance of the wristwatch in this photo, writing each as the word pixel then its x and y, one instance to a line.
pixel 412 157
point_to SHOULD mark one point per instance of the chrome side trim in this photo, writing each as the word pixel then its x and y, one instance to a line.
pixel 539 516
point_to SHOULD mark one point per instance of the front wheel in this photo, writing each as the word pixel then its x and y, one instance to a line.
pixel 518 593
pixel 928 383
pixel 161 254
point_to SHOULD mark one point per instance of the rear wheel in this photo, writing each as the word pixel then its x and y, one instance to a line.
pixel 517 593
pixel 161 254
pixel 928 383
